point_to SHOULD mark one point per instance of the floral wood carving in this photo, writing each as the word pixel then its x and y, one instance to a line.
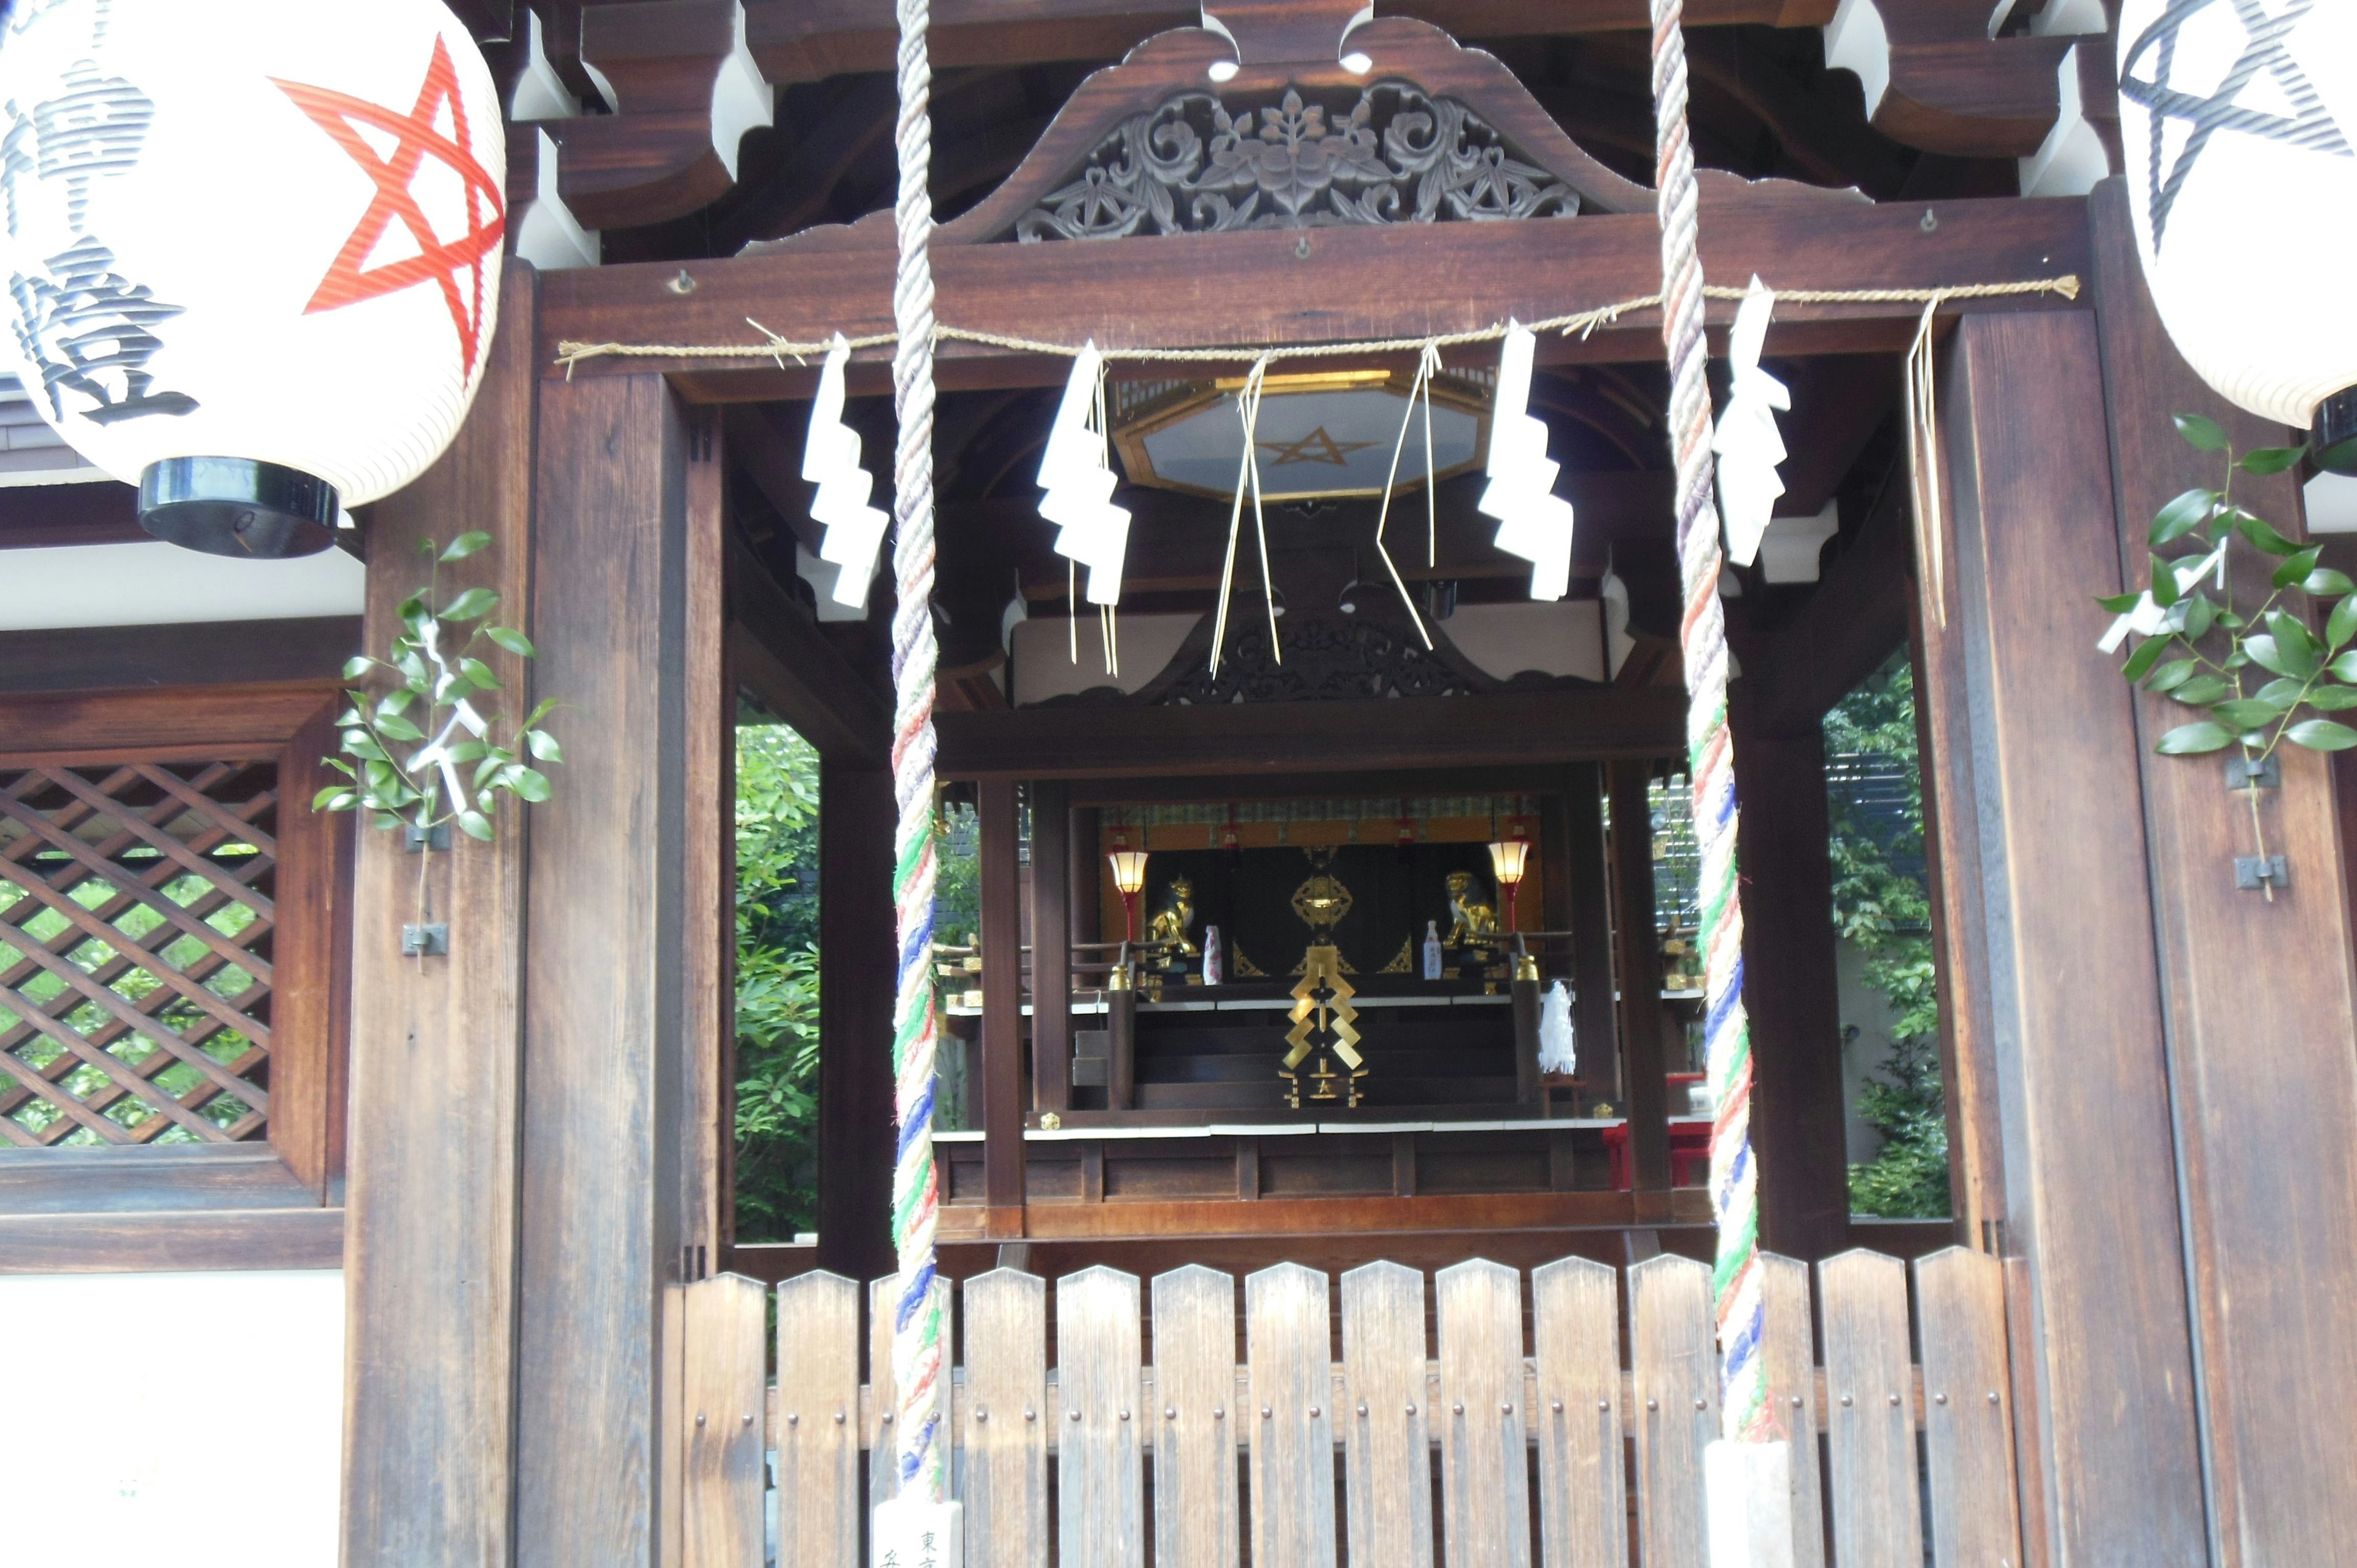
pixel 1398 155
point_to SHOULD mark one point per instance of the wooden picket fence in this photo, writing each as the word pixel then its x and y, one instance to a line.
pixel 1548 1447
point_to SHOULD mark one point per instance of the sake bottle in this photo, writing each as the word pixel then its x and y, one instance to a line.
pixel 1432 949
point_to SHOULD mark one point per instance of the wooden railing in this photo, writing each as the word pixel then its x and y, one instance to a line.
pixel 1527 1438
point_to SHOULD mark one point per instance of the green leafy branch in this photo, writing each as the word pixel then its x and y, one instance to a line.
pixel 407 749
pixel 2202 650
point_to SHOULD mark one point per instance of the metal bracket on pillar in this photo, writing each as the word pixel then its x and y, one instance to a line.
pixel 425 941
pixel 2254 875
pixel 415 840
pixel 2241 773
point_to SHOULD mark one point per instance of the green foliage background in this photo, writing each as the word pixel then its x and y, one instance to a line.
pixel 777 972
pixel 777 983
pixel 1880 904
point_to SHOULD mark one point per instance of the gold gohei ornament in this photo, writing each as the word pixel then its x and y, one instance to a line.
pixel 1325 1027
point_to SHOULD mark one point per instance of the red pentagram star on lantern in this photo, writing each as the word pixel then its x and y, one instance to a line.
pixel 444 263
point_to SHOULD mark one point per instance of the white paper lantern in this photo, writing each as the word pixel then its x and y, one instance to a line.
pixel 2239 123
pixel 251 248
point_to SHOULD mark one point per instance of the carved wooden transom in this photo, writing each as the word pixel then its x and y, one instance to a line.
pixel 1396 155
pixel 1326 659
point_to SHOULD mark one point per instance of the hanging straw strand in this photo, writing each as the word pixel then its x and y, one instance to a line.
pixel 1710 751
pixel 917 1313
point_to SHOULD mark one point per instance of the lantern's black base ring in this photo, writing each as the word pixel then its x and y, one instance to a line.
pixel 2334 439
pixel 237 506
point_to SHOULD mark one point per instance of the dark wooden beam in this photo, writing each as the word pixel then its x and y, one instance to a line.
pixel 1643 1088
pixel 1791 987
pixel 1051 945
pixel 1839 402
pixel 2041 788
pixel 176 1241
pixel 98 511
pixel 602 992
pixel 998 818
pixel 856 818
pixel 430 1269
pixel 1243 289
pixel 1948 87
pixel 206 653
pixel 777 652
pixel 1084 741
pixel 1590 877
pixel 1088 876
pixel 1853 622
pixel 795 40
pixel 1527 779
pixel 2256 1003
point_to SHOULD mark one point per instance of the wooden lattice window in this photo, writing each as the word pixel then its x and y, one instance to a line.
pixel 137 903
pixel 172 927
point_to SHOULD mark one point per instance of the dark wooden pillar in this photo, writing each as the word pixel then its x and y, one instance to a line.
pixel 605 993
pixel 856 822
pixel 999 816
pixel 1088 878
pixel 1792 986
pixel 430 1226
pixel 1643 1087
pixel 1051 946
pixel 1589 883
pixel 2256 1011
pixel 2038 771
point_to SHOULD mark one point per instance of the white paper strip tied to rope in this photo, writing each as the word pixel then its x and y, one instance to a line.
pixel 2240 126
pixel 1533 522
pixel 1080 482
pixel 254 250
pixel 855 530
pixel 1748 443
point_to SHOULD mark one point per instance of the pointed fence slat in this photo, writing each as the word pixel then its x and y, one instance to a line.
pixel 1100 1503
pixel 882 1437
pixel 817 1431
pixel 1004 1423
pixel 1484 1453
pixel 1482 1404
pixel 726 1462
pixel 1195 1518
pixel 1387 1481
pixel 1870 1421
pixel 1288 1331
pixel 1789 1352
pixel 1675 1365
pixel 1967 1426
pixel 1583 1482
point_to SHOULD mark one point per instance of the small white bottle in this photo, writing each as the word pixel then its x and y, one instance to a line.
pixel 1432 949
pixel 1212 955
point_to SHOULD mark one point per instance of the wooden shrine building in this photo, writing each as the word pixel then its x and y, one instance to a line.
pixel 519 1150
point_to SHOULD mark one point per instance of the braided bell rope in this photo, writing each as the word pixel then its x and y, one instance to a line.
pixel 1710 753
pixel 917 1311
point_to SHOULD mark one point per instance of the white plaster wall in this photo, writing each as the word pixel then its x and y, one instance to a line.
pixel 194 1419
pixel 1871 1013
pixel 156 583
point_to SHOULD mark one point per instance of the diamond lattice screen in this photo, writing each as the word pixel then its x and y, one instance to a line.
pixel 136 918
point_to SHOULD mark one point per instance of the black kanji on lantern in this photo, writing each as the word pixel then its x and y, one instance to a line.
pixel 92 333
pixel 96 127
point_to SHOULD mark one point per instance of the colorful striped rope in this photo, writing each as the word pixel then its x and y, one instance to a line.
pixel 916 1310
pixel 1710 752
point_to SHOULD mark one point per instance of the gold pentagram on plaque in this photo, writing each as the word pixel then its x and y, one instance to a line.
pixel 1315 447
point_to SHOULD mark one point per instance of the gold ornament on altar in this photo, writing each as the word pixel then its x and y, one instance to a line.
pixel 1325 1025
pixel 1172 922
pixel 1472 926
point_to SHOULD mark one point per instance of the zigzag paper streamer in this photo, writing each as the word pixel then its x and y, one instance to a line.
pixel 1747 444
pixel 855 530
pixel 1533 522
pixel 1093 531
